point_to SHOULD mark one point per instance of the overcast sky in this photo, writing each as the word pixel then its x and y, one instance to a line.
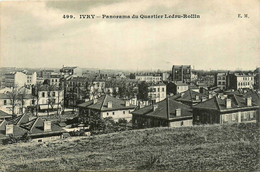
pixel 34 34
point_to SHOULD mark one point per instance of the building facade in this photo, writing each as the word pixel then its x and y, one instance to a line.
pixel 240 81
pixel 157 92
pixel 106 106
pixel 221 80
pixel 181 73
pixel 167 113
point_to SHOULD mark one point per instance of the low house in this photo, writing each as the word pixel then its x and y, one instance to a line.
pixel 36 129
pixel 166 113
pixel 106 106
pixel 232 109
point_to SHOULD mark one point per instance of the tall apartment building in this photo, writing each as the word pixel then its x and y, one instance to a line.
pixel 157 92
pixel 220 80
pixel 181 73
pixel 240 81
pixel 15 79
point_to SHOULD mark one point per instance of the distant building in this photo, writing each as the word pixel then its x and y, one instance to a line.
pixel 50 100
pixel 68 71
pixel 167 113
pixel 240 81
pixel 55 79
pixel 165 76
pixel 157 92
pixel 257 78
pixel 221 80
pixel 15 79
pixel 206 80
pixel 31 78
pixel 233 109
pixel 106 106
pixel 177 87
pixel 6 104
pixel 181 73
pixel 148 78
pixel 45 74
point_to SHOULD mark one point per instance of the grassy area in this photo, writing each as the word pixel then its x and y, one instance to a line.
pixel 218 147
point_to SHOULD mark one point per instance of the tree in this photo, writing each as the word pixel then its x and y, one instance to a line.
pixel 13 97
pixel 21 97
pixel 142 91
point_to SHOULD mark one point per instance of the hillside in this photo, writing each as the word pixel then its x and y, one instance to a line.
pixel 228 147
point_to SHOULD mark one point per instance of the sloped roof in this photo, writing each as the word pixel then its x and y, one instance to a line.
pixel 36 127
pixel 102 102
pixel 4 114
pixel 219 104
pixel 161 110
pixel 190 96
pixel 20 119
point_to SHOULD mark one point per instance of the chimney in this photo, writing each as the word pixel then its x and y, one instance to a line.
pixel 249 101
pixel 9 129
pixel 127 103
pixel 228 103
pixel 178 112
pixel 210 96
pixel 155 106
pixel 109 104
pixel 197 97
pixel 168 107
pixel 47 126
pixel 94 100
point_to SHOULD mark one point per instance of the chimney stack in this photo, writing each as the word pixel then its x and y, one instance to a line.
pixel 228 103
pixel 210 96
pixel 249 101
pixel 47 126
pixel 155 106
pixel 109 104
pixel 9 129
pixel 127 103
pixel 197 97
pixel 178 112
pixel 94 100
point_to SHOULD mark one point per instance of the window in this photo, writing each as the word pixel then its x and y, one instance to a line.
pixel 233 117
pixel 113 113
pixel 49 94
pixel 107 113
pixel 162 89
pixel 53 94
pixel 33 101
pixel 123 112
pixel 5 102
pixel 158 89
pixel 43 94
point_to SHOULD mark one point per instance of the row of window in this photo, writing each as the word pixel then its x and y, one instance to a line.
pixel 244 83
pixel 113 113
pixel 5 102
pixel 49 94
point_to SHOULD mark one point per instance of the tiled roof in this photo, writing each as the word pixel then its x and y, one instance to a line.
pixel 4 114
pixel 190 96
pixel 220 104
pixel 102 102
pixel 20 119
pixel 161 110
pixel 36 127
